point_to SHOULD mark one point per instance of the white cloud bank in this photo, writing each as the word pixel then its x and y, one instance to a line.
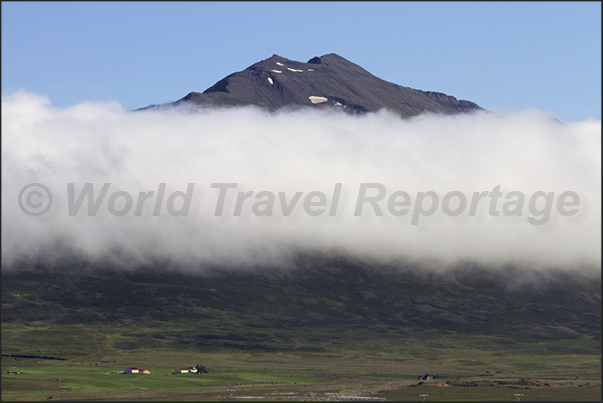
pixel 289 152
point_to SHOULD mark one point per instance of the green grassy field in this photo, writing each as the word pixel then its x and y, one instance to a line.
pixel 274 375
pixel 42 379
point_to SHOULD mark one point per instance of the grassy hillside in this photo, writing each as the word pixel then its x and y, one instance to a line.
pixel 324 306
pixel 327 326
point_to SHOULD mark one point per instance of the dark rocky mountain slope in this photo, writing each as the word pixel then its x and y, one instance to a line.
pixel 326 81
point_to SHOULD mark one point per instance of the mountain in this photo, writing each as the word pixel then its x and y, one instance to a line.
pixel 326 81
pixel 322 305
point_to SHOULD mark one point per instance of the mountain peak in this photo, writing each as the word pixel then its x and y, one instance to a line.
pixel 323 81
pixel 326 58
pixel 315 60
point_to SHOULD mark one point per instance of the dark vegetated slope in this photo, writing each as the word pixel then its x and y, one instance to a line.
pixel 322 303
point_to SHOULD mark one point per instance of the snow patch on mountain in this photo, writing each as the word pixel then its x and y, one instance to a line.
pixel 317 100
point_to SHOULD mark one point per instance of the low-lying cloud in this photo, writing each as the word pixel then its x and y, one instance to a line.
pixel 268 185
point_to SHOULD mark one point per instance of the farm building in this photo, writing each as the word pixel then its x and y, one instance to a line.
pixel 133 370
pixel 192 370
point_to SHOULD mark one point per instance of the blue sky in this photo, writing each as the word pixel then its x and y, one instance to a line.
pixel 503 56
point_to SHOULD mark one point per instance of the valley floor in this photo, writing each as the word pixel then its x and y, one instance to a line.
pixel 278 377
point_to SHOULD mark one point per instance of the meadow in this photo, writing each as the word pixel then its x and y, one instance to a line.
pixel 281 376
